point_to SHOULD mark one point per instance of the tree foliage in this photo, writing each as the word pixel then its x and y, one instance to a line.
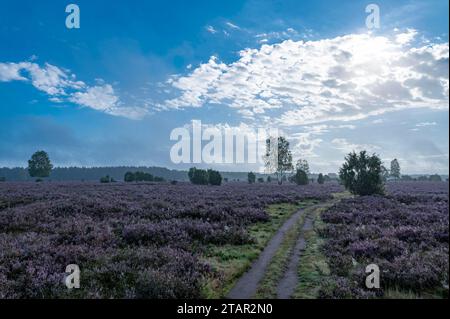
pixel 39 165
pixel 300 177
pixel 320 179
pixel 395 168
pixel 278 157
pixel 361 174
pixel 251 178
pixel 204 177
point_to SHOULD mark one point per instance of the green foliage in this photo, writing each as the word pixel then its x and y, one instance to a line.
pixel 141 177
pixel 303 165
pixel 106 179
pixel 435 178
pixel 361 174
pixel 251 178
pixel 39 165
pixel 214 177
pixel 395 169
pixel 320 179
pixel 203 177
pixel 198 176
pixel 301 178
pixel 278 157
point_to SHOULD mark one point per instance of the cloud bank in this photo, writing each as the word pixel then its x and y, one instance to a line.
pixel 345 78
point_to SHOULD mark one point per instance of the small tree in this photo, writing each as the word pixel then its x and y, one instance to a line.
pixel 278 157
pixel 129 177
pixel 361 174
pixel 39 165
pixel 303 165
pixel 395 169
pixel 214 177
pixel 384 173
pixel 300 177
pixel 320 179
pixel 251 178
pixel 198 176
pixel 269 179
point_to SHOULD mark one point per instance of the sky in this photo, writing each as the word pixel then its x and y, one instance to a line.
pixel 111 92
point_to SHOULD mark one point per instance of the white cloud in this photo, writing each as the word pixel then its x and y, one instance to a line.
pixel 345 146
pixel 406 37
pixel 340 79
pixel 49 78
pixel 211 29
pixel 232 25
pixel 423 124
pixel 61 85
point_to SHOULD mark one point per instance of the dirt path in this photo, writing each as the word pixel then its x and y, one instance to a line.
pixel 288 283
pixel 247 285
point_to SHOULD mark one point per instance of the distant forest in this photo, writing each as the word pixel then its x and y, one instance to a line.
pixel 117 173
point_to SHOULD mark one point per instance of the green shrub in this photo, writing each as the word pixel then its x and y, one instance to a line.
pixel 320 179
pixel 251 177
pixel 361 174
pixel 300 177
pixel 214 177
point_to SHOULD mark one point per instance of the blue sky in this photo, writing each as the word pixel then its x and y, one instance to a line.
pixel 111 92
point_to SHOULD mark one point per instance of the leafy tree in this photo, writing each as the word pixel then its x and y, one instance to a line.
pixel 327 178
pixel 435 178
pixel 384 173
pixel 39 165
pixel 361 174
pixel 214 177
pixel 251 178
pixel 278 157
pixel 106 179
pixel 129 177
pixel 303 165
pixel 198 176
pixel 301 178
pixel 395 168
pixel 320 179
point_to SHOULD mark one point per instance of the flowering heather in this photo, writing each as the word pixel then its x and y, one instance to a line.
pixel 405 233
pixel 130 240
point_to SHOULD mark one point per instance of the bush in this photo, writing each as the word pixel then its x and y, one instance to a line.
pixel 260 180
pixel 269 179
pixel 320 179
pixel 106 179
pixel 251 178
pixel 173 182
pixel 300 177
pixel 198 176
pixel 214 177
pixel 362 174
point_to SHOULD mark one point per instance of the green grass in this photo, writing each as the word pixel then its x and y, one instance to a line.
pixel 313 267
pixel 229 262
pixel 268 286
